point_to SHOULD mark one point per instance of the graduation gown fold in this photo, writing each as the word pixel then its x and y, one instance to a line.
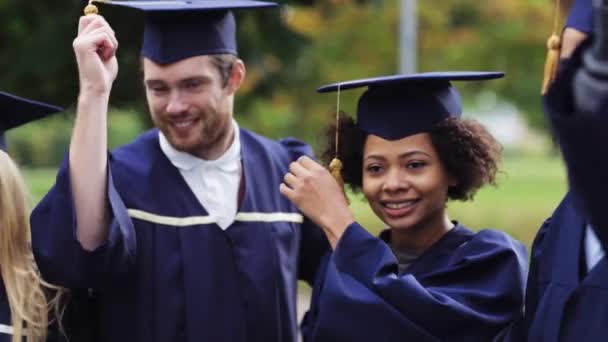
pixel 167 271
pixel 563 301
pixel 466 287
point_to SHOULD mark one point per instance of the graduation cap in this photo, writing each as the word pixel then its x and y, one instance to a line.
pixel 16 111
pixel 395 107
pixel 178 29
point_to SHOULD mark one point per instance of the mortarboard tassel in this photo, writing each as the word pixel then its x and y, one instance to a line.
pixel 554 45
pixel 335 166
pixel 90 9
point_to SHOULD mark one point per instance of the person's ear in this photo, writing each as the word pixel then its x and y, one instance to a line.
pixel 236 77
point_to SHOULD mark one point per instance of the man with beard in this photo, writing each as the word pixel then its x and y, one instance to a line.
pixel 182 235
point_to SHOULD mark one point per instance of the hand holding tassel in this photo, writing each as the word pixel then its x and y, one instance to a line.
pixel 314 190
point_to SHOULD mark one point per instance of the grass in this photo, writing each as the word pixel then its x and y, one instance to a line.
pixel 39 182
pixel 529 188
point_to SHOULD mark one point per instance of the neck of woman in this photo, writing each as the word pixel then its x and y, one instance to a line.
pixel 419 238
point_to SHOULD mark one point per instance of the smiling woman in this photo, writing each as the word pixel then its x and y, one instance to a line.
pixel 425 277
pixel 458 156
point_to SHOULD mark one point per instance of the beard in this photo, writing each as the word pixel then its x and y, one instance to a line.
pixel 207 131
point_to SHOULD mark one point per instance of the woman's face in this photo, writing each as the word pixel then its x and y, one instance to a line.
pixel 404 181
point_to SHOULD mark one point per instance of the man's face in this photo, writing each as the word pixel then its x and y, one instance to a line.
pixel 189 103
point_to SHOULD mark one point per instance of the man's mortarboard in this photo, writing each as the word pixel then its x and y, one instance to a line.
pixel 176 30
pixel 394 107
pixel 16 111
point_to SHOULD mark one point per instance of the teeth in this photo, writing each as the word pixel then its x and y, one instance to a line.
pixel 399 205
pixel 181 124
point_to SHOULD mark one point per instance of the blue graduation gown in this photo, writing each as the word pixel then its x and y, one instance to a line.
pixel 5 316
pixel 6 327
pixel 564 302
pixel 167 273
pixel 466 287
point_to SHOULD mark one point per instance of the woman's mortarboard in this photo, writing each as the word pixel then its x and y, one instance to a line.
pixel 395 107
pixel 176 30
pixel 16 111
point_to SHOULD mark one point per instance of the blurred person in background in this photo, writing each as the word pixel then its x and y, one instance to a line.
pixel 28 304
pixel 566 295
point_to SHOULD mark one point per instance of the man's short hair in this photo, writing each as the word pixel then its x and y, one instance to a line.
pixel 224 64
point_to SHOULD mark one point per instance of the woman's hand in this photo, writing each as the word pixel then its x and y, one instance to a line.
pixel 311 188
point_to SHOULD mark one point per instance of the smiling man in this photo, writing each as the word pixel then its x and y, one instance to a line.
pixel 182 235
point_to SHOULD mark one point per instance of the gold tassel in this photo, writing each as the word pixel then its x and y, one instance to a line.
pixel 553 51
pixel 554 45
pixel 90 9
pixel 335 166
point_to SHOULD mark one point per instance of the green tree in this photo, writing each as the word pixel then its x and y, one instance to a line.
pixel 291 51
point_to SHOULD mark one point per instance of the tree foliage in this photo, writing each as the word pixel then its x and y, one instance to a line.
pixel 291 51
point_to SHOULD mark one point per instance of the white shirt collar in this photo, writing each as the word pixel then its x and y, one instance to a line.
pixel 186 161
pixel 593 248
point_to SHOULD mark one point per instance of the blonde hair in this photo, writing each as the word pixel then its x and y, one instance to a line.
pixel 24 287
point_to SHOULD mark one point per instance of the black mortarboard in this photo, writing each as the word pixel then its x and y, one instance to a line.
pixel 581 16
pixel 394 107
pixel 16 111
pixel 175 30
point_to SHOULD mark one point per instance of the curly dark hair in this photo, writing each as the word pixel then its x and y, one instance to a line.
pixel 468 151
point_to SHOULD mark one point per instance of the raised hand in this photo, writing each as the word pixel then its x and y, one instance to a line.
pixel 95 49
pixel 316 193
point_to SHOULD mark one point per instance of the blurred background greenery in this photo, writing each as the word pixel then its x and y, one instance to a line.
pixel 291 51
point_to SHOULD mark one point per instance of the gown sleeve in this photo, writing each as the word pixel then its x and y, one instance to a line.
pixel 60 257
pixel 581 138
pixel 313 242
pixel 470 298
